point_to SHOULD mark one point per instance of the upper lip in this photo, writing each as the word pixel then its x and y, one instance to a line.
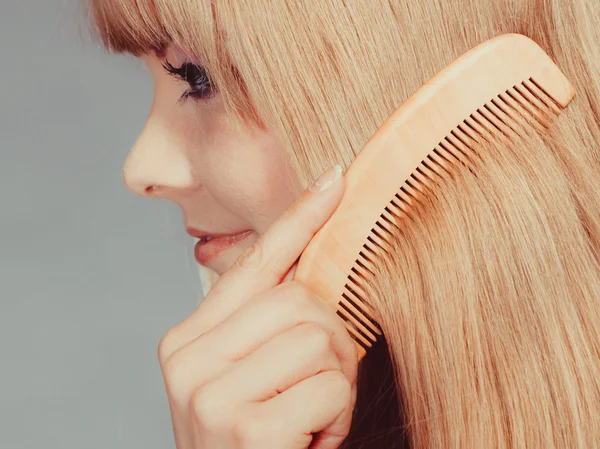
pixel 200 233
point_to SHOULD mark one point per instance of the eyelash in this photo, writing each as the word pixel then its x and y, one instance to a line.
pixel 195 76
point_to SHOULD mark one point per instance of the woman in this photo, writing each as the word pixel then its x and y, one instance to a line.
pixel 489 301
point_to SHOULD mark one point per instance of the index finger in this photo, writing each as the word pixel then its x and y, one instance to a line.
pixel 265 264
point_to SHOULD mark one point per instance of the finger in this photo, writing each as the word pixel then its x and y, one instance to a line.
pixel 265 265
pixel 286 306
pixel 321 403
pixel 279 364
pixel 267 261
pixel 282 308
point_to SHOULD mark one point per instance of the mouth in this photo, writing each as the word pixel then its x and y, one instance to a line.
pixel 209 247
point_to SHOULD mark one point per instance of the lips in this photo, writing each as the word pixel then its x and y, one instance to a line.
pixel 210 246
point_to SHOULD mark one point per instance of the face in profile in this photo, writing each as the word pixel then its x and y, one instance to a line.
pixel 226 183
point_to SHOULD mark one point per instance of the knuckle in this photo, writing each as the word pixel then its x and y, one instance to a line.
pixel 176 377
pixel 339 386
pixel 249 432
pixel 317 338
pixel 166 344
pixel 208 409
pixel 185 371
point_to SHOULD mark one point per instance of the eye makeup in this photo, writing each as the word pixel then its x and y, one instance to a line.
pixel 200 87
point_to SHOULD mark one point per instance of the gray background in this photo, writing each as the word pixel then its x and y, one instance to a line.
pixel 91 276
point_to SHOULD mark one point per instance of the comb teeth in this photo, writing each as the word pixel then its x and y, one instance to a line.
pixel 503 118
pixel 498 92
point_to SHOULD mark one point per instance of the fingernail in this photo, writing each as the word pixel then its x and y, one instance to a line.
pixel 327 179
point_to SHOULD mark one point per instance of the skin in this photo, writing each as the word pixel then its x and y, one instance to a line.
pixel 223 182
pixel 262 361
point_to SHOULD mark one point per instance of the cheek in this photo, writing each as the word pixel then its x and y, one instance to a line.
pixel 262 184
pixel 248 175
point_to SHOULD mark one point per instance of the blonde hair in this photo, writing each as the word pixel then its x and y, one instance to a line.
pixel 489 301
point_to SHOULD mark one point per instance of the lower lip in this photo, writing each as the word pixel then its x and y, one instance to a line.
pixel 204 252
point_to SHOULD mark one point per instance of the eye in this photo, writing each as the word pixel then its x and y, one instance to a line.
pixel 197 78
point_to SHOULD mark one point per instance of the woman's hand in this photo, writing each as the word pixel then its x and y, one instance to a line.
pixel 263 363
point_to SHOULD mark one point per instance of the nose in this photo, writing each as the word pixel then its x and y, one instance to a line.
pixel 157 165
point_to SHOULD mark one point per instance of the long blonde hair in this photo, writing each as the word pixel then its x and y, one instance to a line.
pixel 490 298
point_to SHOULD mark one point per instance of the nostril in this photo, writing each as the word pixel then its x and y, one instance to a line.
pixel 152 189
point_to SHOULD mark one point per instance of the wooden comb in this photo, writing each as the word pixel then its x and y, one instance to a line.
pixel 488 93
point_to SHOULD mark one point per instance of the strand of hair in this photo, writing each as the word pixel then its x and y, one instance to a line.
pixel 423 185
pixel 404 195
pixel 360 302
pixel 412 196
pixel 366 261
pixel 489 122
pixel 438 167
pixel 349 315
pixel 467 134
pixel 356 336
pixel 549 106
pixel 556 106
pixel 361 331
pixel 396 210
pixel 474 122
pixel 365 270
pixel 458 149
pixel 383 225
pixel 533 111
pixel 377 244
pixel 368 248
pixel 413 190
pixel 390 215
pixel 430 177
pixel 364 267
pixel 417 184
pixel 380 238
pixel 505 109
pixel 364 256
pixel 452 154
pixel 542 108
pixel 503 131
pixel 516 112
pixel 369 328
pixel 513 110
pixel 469 137
pixel 498 121
pixel 358 273
pixel 443 157
pixel 440 161
pixel 510 129
pixel 355 281
pixel 392 220
pixel 528 112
